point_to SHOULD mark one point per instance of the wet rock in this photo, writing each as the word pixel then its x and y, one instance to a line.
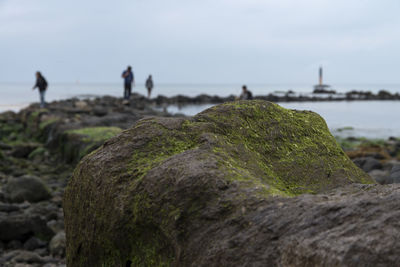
pixel 33 243
pixel 395 174
pixel 14 244
pixel 212 190
pixel 26 188
pixel 27 257
pixel 388 165
pixel 100 111
pixel 21 226
pixel 368 164
pixel 4 146
pixel 381 177
pixel 6 207
pixel 23 150
pixel 57 244
pixel 45 210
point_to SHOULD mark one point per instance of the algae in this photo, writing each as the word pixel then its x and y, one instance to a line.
pixel 96 134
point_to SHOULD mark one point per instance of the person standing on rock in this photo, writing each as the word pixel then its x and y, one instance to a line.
pixel 149 85
pixel 129 79
pixel 246 94
pixel 41 84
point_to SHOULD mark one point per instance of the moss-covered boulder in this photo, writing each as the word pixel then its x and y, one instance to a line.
pixel 168 191
pixel 76 143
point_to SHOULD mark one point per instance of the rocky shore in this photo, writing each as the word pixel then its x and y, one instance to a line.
pixel 40 148
pixel 284 96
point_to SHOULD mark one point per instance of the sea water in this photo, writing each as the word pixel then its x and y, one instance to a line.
pixel 371 119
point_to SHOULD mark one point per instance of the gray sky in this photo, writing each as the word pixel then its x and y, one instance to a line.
pixel 208 41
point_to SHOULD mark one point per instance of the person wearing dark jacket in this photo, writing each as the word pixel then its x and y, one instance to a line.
pixel 246 94
pixel 129 79
pixel 41 84
pixel 149 85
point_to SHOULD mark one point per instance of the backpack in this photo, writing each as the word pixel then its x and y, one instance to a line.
pixel 249 95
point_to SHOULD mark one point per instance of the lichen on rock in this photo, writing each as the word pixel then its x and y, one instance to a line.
pixel 160 193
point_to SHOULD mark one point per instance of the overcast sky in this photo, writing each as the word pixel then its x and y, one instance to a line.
pixel 208 41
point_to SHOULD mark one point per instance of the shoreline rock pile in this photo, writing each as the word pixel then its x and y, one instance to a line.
pixel 38 152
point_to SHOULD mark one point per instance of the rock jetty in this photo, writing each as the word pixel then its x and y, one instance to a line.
pixel 39 149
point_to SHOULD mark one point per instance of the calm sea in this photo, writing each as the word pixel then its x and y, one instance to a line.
pixel 373 119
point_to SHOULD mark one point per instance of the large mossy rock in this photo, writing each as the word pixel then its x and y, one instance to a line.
pixel 178 192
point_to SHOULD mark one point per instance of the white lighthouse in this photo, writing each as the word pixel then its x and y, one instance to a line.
pixel 321 88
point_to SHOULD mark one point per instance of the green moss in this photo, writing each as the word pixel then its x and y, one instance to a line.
pixel 96 134
pixel 159 148
pixel 48 122
pixel 11 132
pixel 282 152
pixel 38 151
pixel 347 128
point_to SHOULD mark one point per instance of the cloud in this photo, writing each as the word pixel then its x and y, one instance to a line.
pixel 194 40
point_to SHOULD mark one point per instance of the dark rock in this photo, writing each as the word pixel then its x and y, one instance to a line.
pixel 14 244
pixel 100 111
pixel 9 255
pixel 204 192
pixel 22 226
pixel 368 164
pixel 371 164
pixel 6 207
pixel 359 162
pixel 4 146
pixel 46 210
pixel 388 165
pixel 395 174
pixel 381 177
pixel 33 243
pixel 26 188
pixel 23 150
pixel 27 257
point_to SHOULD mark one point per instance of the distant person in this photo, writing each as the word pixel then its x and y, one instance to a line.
pixel 246 94
pixel 41 84
pixel 149 85
pixel 129 79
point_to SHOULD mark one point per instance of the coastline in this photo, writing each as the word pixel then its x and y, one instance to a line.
pixel 371 117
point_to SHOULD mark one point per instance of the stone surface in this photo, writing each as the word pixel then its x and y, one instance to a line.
pixel 29 188
pixel 368 164
pixel 21 226
pixel 57 244
pixel 395 174
pixel 216 190
pixel 381 177
pixel 33 243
